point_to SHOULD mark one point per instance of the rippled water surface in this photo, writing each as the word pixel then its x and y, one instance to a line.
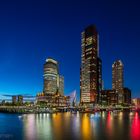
pixel 67 126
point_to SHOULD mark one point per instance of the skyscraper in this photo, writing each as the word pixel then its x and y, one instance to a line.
pixel 90 72
pixel 117 75
pixel 53 82
pixel 117 79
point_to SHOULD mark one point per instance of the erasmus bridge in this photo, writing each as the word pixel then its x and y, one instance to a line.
pixel 73 98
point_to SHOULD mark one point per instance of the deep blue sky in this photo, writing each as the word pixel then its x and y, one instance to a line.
pixel 31 31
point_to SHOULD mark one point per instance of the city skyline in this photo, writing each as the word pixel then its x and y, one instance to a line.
pixel 23 54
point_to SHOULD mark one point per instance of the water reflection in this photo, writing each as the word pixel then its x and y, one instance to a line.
pixel 109 125
pixel 29 126
pixel 135 127
pixel 105 125
pixel 37 126
pixel 57 124
pixel 86 127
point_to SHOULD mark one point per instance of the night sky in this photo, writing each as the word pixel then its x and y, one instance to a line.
pixel 31 31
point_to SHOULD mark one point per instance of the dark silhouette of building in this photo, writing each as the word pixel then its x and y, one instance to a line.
pixel 126 96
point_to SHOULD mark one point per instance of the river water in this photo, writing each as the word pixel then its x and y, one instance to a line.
pixel 68 126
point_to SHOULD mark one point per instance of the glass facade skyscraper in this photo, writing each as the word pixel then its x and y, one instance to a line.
pixel 91 66
pixel 53 82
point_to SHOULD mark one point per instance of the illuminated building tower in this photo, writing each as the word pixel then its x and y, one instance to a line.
pixel 90 72
pixel 117 79
pixel 53 82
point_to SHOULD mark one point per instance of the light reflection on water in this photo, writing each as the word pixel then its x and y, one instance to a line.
pixel 86 127
pixel 81 126
pixel 135 127
pixel 105 125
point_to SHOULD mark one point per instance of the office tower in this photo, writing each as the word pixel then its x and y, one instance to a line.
pixel 90 71
pixel 53 82
pixel 50 76
pixel 117 79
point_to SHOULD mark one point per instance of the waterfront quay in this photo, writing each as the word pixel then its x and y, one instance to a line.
pixel 35 109
pixel 26 109
pixel 39 109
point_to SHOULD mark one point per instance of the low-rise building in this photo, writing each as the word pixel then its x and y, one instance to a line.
pixel 109 97
pixel 126 96
pixel 136 102
pixel 51 100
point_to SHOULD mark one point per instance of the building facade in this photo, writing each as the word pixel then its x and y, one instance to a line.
pixel 117 79
pixel 109 97
pixel 53 82
pixel 99 81
pixel 53 100
pixel 136 102
pixel 126 96
pixel 61 85
pixel 90 71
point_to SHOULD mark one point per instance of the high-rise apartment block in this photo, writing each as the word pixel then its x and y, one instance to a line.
pixel 117 79
pixel 117 76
